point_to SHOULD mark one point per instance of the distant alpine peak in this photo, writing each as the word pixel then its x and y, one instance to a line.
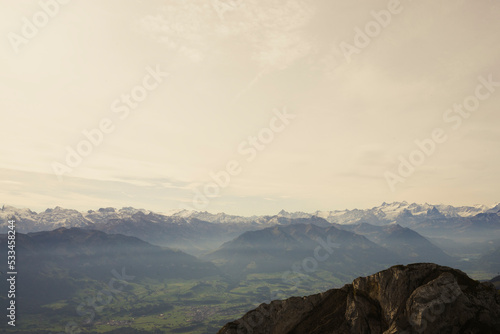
pixel 179 212
pixel 384 214
pixel 379 215
pixel 494 209
pixel 294 215
pixel 282 213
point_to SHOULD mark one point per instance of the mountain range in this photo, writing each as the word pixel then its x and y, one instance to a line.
pixel 239 262
pixel 408 244
pixel 380 215
pixel 383 213
pixel 276 249
pixel 451 228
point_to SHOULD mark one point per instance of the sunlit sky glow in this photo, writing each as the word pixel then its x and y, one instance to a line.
pixel 228 75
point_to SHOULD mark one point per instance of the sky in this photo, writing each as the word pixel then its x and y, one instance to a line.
pixel 248 107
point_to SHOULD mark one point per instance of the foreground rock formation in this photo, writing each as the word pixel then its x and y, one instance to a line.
pixel 418 298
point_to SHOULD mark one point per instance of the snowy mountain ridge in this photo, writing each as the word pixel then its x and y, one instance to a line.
pixel 380 215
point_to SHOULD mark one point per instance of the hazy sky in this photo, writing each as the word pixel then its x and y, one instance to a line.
pixel 187 88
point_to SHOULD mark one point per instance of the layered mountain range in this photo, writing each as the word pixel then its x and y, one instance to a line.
pixel 243 261
pixel 56 264
pixel 460 231
pixel 380 215
pixel 276 249
pixel 387 212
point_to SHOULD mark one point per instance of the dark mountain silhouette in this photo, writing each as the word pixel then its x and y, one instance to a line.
pixel 57 264
pixel 408 244
pixel 277 248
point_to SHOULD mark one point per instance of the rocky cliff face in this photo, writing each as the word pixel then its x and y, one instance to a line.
pixel 418 298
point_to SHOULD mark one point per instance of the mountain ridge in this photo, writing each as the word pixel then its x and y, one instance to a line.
pixel 401 299
pixel 276 249
pixel 199 232
pixel 386 211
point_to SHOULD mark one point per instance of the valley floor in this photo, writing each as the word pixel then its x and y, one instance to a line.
pixel 175 305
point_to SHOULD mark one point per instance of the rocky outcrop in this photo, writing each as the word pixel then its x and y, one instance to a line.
pixel 418 298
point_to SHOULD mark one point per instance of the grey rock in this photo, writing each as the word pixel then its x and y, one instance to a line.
pixel 418 298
